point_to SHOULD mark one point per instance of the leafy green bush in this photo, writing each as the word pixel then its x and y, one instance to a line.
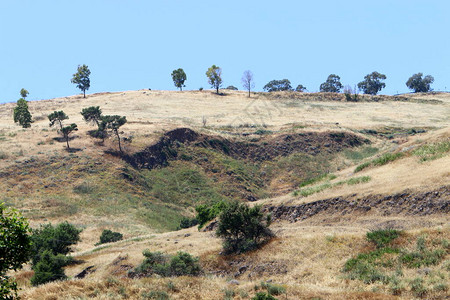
pixel 50 246
pixel 243 228
pixel 49 267
pixel 184 264
pixel 109 236
pixel 164 265
pixel 206 213
pixel 188 223
pixel 57 239
pixel 15 248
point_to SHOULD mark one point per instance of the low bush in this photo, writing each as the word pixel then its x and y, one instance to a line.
pixel 57 239
pixel 49 268
pixel 49 249
pixel 243 228
pixel 273 289
pixel 109 236
pixel 206 213
pixel 165 265
pixel 188 223
pixel 263 296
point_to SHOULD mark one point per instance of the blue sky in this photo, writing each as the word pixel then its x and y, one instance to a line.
pixel 136 44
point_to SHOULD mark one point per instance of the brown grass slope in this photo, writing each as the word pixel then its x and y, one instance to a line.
pixel 41 179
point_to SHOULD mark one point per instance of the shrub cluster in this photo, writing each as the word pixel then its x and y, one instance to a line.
pixel 109 236
pixel 165 265
pixel 49 249
pixel 206 213
pixel 188 223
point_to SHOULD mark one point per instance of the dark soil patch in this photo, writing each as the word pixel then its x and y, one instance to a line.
pixel 267 148
pixel 406 203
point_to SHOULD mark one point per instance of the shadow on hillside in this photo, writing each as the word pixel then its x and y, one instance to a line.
pixel 62 139
pixel 74 150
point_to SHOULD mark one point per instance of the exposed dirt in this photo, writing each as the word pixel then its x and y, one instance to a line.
pixel 265 148
pixel 406 203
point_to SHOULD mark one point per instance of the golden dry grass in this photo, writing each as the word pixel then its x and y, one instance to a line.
pixel 307 257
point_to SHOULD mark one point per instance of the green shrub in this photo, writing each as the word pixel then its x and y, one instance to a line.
pixel 184 264
pixel 109 236
pixel 243 228
pixel 49 249
pixel 164 265
pixel 188 223
pixel 263 296
pixel 273 289
pixel 381 238
pixel 57 239
pixel 206 213
pixel 49 268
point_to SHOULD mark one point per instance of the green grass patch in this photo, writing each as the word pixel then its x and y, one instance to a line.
pixel 307 191
pixel 317 179
pixel 381 238
pixel 432 151
pixel 358 180
pixel 387 158
pixel 386 265
pixel 380 161
pixel 360 154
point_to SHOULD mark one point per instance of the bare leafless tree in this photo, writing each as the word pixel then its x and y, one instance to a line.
pixel 247 81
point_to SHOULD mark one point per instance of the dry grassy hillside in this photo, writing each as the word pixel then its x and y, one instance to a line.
pixel 328 170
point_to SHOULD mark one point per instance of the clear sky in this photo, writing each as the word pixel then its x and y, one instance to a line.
pixel 136 44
